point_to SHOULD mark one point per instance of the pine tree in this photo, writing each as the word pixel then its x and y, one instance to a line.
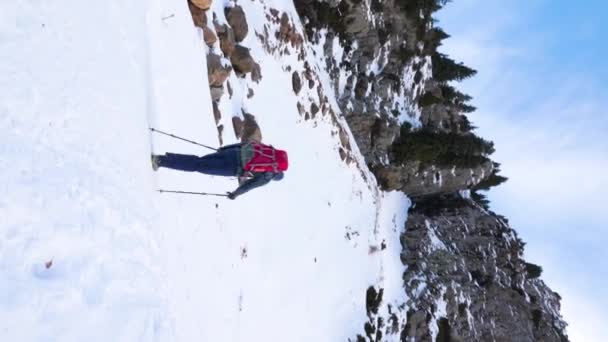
pixel 446 69
pixel 533 270
pixel 493 180
pixel 443 149
pixel 433 38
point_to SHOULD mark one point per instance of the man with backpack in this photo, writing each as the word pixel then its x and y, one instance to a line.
pixel 258 162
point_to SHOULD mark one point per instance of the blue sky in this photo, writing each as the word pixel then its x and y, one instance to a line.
pixel 541 95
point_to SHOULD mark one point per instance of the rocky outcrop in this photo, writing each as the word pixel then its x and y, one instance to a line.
pixel 216 93
pixel 296 82
pixel 382 40
pixel 380 80
pixel 470 260
pixel 417 181
pixel 374 135
pixel 465 280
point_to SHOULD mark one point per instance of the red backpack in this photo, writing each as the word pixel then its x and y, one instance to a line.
pixel 266 159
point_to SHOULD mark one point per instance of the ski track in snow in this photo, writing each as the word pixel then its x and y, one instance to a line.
pixel 81 83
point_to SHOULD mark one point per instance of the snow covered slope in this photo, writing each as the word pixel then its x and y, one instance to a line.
pixel 76 186
pixel 90 251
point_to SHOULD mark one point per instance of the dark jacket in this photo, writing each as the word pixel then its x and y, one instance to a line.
pixel 256 179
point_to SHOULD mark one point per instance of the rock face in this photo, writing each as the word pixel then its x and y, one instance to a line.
pixel 465 281
pixel 374 135
pixel 459 254
pixel 426 181
pixel 367 97
pixel 396 43
pixel 238 22
pixel 465 277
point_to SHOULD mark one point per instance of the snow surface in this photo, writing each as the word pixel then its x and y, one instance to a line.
pixel 81 82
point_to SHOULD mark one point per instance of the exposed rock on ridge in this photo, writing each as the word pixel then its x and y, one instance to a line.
pixel 465 276
pixel 432 180
pixel 384 71
pixel 465 281
pixel 459 254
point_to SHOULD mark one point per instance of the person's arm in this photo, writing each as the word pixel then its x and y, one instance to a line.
pixel 258 180
pixel 229 146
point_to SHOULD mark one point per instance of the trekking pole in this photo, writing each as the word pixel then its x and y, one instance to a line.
pixel 180 138
pixel 190 193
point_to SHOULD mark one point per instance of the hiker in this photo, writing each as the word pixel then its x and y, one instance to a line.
pixel 258 162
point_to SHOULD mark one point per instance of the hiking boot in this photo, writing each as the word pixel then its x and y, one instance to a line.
pixel 155 162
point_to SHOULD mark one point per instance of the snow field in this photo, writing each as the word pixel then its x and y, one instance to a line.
pixel 289 261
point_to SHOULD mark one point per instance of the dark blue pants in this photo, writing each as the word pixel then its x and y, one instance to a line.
pixel 222 163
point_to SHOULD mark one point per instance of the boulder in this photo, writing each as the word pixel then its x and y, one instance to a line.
pixel 198 15
pixel 241 60
pixel 296 82
pixel 202 4
pixel 417 181
pixel 226 36
pixel 217 71
pixel 251 129
pixel 236 18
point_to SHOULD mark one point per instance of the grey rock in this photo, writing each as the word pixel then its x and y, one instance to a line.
pixel 256 73
pixel 470 262
pixel 217 71
pixel 237 20
pixel 241 60
pixel 198 15
pixel 216 93
pixel 296 82
pixel 237 125
pixel 251 129
pixel 227 39
pixel 356 20
pixel 374 135
pixel 209 36
pixel 417 181
pixel 480 260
